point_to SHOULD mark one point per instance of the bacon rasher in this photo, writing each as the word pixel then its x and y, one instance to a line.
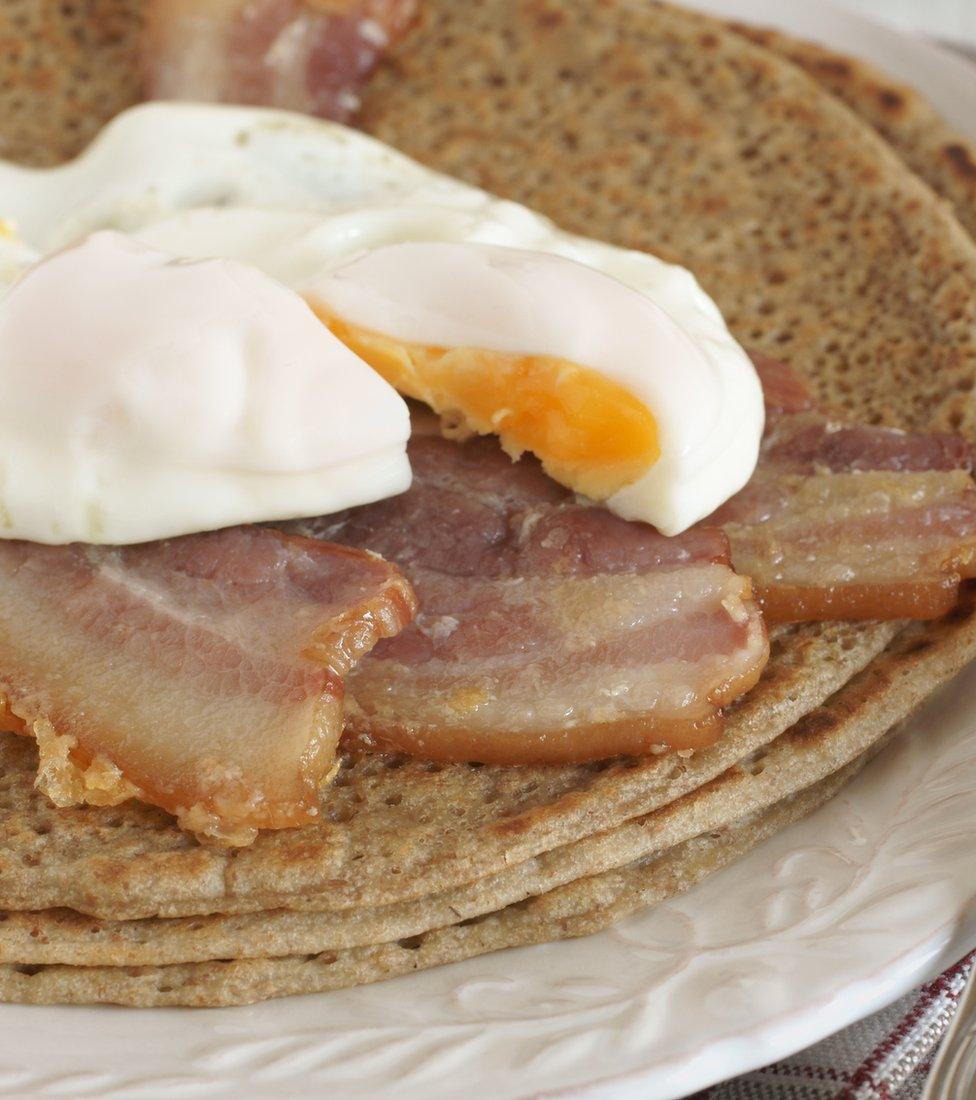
pixel 548 630
pixel 304 55
pixel 847 521
pixel 551 630
pixel 200 674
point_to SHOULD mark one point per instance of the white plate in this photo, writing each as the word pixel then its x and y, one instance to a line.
pixel 824 924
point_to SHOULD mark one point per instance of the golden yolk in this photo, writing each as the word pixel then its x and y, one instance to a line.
pixel 589 432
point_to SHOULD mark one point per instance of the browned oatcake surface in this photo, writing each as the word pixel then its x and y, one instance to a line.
pixel 598 175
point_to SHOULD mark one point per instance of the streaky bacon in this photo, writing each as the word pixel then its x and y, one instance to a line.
pixel 551 630
pixel 849 521
pixel 815 443
pixel 548 630
pixel 303 55
pixel 784 391
pixel 201 674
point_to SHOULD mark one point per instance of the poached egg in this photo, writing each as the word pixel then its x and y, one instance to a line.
pixel 168 396
pixel 613 367
pixel 619 401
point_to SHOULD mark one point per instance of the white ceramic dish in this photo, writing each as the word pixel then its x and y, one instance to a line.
pixel 824 924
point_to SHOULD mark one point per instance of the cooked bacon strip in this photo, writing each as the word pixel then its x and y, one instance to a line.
pixel 814 444
pixel 304 55
pixel 548 630
pixel 551 630
pixel 846 521
pixel 201 674
pixel 784 390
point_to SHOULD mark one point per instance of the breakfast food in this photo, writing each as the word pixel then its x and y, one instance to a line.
pixel 51 110
pixel 554 651
pixel 589 901
pixel 497 671
pixel 177 397
pixel 637 397
pixel 306 57
pixel 583 388
pixel 549 630
pixel 63 936
pixel 555 915
pixel 202 674
pixel 497 816
pixel 920 136
pixel 846 521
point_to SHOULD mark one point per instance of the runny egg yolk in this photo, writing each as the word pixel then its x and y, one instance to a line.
pixel 590 433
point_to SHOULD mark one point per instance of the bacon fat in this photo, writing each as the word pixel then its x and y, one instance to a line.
pixel 849 521
pixel 200 674
pixel 551 630
pixel 548 630
pixel 303 55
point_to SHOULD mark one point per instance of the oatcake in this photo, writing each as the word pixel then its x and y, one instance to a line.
pixel 847 269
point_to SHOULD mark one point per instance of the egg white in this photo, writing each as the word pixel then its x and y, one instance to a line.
pixel 144 396
pixel 300 198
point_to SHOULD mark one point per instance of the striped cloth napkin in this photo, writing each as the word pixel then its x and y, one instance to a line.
pixel 884 1057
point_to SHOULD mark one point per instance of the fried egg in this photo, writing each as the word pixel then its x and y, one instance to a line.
pixel 612 366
